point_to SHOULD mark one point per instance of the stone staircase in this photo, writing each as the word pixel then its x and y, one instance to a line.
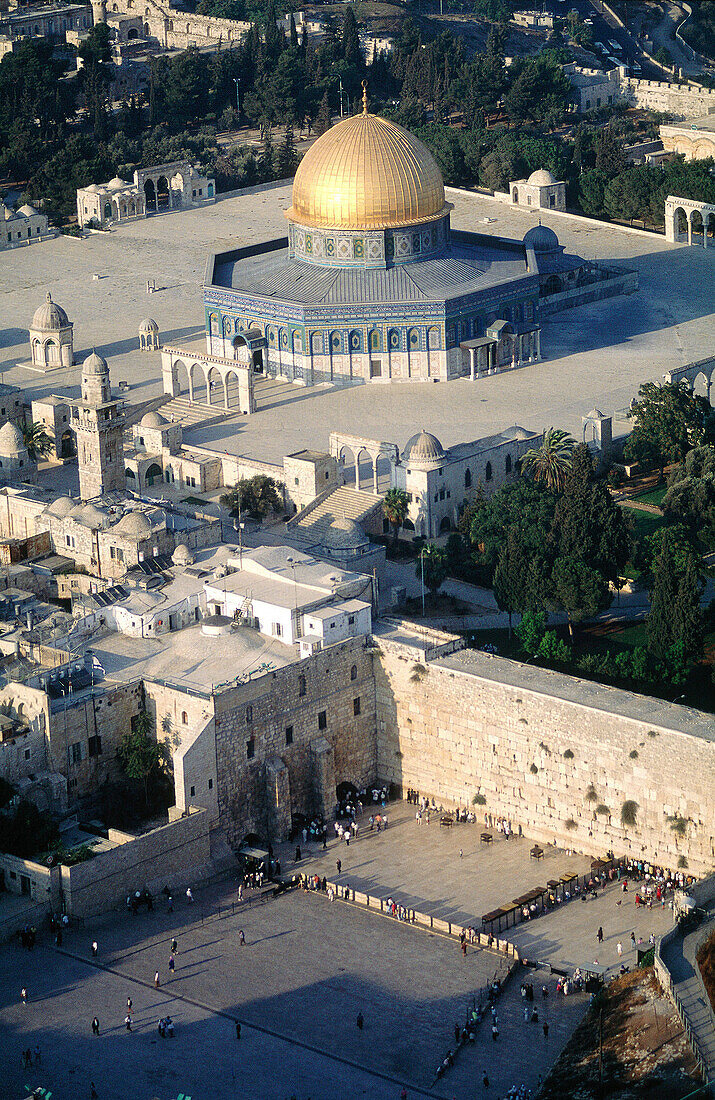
pixel 194 416
pixel 347 503
pixel 270 392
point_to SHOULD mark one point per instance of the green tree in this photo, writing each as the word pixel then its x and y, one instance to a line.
pixel 254 496
pixel 141 756
pixel 287 155
pixel 610 157
pixel 690 497
pixel 265 157
pixel 322 122
pixel 531 630
pixel 669 422
pixel 675 616
pixel 551 460
pixel 512 575
pixel 350 39
pixel 36 439
pixel 520 505
pixel 578 590
pixel 395 506
pixel 432 565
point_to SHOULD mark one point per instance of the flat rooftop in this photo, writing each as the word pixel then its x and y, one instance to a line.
pixel 190 659
pixel 594 355
pixel 544 681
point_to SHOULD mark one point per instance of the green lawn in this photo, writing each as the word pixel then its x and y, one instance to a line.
pixel 652 496
pixel 505 646
pixel 645 523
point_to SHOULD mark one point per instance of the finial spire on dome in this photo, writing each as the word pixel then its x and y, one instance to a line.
pixel 48 297
pixel 364 97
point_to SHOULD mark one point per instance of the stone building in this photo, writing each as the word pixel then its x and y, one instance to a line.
pixel 98 423
pixel 15 462
pixel 540 191
pixel 168 28
pixel 157 455
pixel 695 139
pixel 54 414
pixel 11 404
pixel 23 226
pixel 175 186
pixel 51 336
pixel 149 335
pixel 689 221
pixel 51 21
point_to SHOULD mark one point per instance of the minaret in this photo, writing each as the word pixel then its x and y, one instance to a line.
pixel 98 423
pixel 99 11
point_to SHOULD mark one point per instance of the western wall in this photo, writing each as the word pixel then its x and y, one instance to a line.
pixel 557 755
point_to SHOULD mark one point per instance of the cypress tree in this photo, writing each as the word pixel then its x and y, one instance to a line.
pixel 265 158
pixel 322 122
pixel 287 156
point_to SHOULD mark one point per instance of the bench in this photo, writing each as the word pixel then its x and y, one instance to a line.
pixel 486 838
pixel 447 821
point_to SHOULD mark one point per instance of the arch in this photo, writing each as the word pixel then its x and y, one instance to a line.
pixel 184 718
pixel 488 472
pixel 393 339
pixel 232 390
pixel 353 672
pixel 184 379
pixel 163 195
pixel 52 353
pixel 214 386
pixel 680 222
pixel 553 285
pixel 227 326
pixel 297 342
pixel 249 714
pixel 336 343
pixel 507 464
pixel 355 341
pixel 413 339
pixel 178 186
pixel 375 340
pixel 407 525
pixel 129 474
pixel 383 472
pixel 147 30
pixel 132 34
pixel 316 343
pixel 445 525
pixel 433 338
pixel 153 474
pixel 149 196
pixel 467 478
pixel 107 212
pixel 68 444
pixel 213 324
pixel 701 385
pixel 515 195
pixel 697 227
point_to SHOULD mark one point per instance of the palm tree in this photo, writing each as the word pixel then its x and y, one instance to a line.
pixel 550 462
pixel 394 507
pixel 36 439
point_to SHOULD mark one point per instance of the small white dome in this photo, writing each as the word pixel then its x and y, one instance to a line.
pixel 49 316
pixel 94 364
pixel 345 533
pixel 134 525
pixel 153 420
pixel 117 183
pixel 541 178
pixel 91 516
pixel 148 325
pixel 182 555
pixel 423 449
pixel 60 507
pixel 11 439
pixel 541 239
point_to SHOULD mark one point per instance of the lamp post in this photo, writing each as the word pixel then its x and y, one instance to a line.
pixel 422 566
pixel 291 563
pixel 238 101
pixel 340 85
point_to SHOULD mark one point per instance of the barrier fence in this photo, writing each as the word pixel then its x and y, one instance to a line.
pixel 666 981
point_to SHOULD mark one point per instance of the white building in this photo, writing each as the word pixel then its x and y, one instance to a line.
pixel 292 596
pixel 541 191
pixel 536 20
pixel 23 226
pixel 592 88
pixel 174 186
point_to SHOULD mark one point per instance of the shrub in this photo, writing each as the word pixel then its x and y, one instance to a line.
pixel 629 812
pixel 682 863
pixel 533 769
pixel 602 809
pixel 652 733
pixel 568 755
pixel 479 800
pixel 570 824
pixel 633 754
pixel 591 795
pixel 678 824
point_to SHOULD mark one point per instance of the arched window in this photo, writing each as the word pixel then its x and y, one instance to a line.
pixel 414 339
pixel 394 339
pixel 301 685
pixel 488 473
pixel 249 713
pixel 335 342
pixel 316 342
pixel 375 340
pixel 353 672
pixel 184 718
pixel 507 464
pixel 355 341
pixel 467 479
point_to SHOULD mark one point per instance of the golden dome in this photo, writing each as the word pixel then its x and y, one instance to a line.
pixel 367 173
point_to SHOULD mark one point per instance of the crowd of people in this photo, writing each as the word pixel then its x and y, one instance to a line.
pixel 465 1034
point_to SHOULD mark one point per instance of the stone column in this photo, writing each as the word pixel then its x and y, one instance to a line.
pixel 538 344
pixel 374 473
pixel 323 769
pixel 357 470
pixel 278 802
pixel 472 355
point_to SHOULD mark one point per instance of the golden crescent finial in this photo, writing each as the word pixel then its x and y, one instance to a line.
pixel 364 97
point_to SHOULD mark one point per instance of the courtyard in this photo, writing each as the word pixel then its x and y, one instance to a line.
pixel 308 967
pixel 594 355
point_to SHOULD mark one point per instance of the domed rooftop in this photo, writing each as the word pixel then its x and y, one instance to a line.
pixel 91 516
pixel 541 239
pixel 367 173
pixel 94 364
pixel 148 325
pixel 27 210
pixel 117 182
pixel 423 449
pixel 60 507
pixel 11 440
pixel 182 555
pixel 541 178
pixel 344 534
pixel 49 316
pixel 153 420
pixel 134 525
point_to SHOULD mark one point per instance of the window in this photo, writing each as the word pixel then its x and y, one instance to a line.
pixel 184 718
pixel 94 744
pixel 211 784
pixel 192 791
pixel 301 685
pixel 74 753
pixel 249 713
pixel 356 706
pixel 277 630
pixel 467 479
pixel 351 620
pixel 250 748
pixel 507 464
pixel 322 720
pixel 289 735
pixel 488 473
pixel 27 754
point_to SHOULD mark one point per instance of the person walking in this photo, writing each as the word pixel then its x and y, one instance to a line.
pixel 38 1056
pixel 238 1030
pixel 545 1028
pixel 360 1021
pixel 156 980
pixel 128 1022
pixel 172 964
pixel 241 938
pixel 189 895
pixel 130 1005
pixel 599 935
pixel 95 1026
pixel 526 1014
pixel 619 948
pixel 95 949
pixel 93 1094
pixel 174 945
pixel 633 938
pixel 485 1080
pixel 339 865
pixel 170 903
pixel 23 995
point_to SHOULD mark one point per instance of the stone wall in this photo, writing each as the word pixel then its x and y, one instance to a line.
pixel 171 855
pixel 256 717
pixel 543 760
pixel 679 100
